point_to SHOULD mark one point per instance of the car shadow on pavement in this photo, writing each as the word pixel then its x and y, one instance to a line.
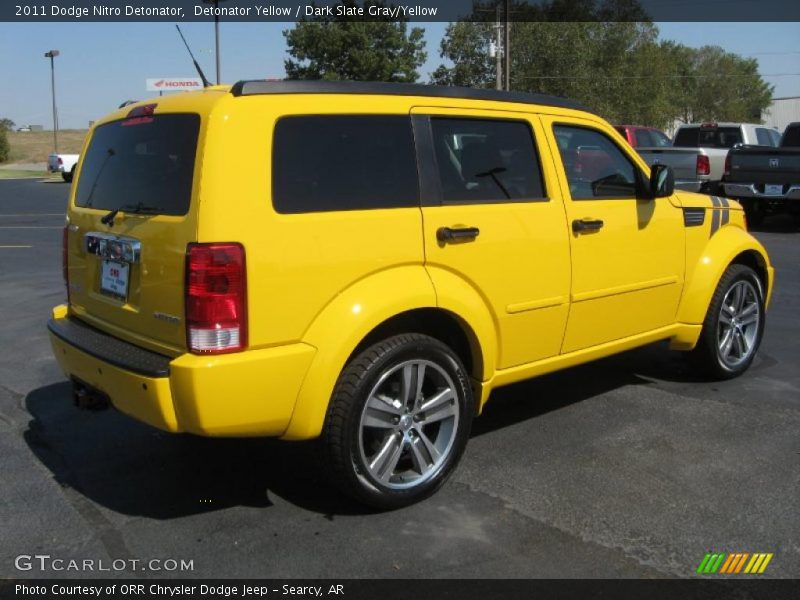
pixel 777 224
pixel 134 469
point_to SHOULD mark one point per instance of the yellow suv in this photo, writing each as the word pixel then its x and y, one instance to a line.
pixel 363 263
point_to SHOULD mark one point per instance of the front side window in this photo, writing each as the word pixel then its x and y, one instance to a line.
pixel 594 165
pixel 343 162
pixel 484 160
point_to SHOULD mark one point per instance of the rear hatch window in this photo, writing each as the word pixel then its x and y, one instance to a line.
pixel 717 137
pixel 144 164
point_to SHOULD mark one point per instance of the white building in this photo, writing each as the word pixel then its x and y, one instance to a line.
pixel 781 112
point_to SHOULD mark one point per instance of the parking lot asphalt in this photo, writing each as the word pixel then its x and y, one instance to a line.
pixel 628 467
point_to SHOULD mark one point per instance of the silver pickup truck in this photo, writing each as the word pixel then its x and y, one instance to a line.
pixel 766 180
pixel 697 155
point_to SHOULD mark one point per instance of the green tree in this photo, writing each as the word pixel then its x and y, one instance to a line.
pixel 363 50
pixel 7 124
pixel 727 87
pixel 5 148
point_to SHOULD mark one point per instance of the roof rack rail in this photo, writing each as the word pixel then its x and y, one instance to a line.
pixel 260 87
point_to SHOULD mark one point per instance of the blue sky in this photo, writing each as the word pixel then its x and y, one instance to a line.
pixel 102 64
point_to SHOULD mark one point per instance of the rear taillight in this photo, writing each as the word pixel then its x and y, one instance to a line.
pixel 65 257
pixel 703 165
pixel 216 298
pixel 727 170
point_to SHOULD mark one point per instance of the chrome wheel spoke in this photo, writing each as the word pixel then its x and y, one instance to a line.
pixel 384 463
pixel 725 317
pixel 382 412
pixel 750 319
pixel 432 451
pixel 437 407
pixel 739 342
pixel 422 459
pixel 726 343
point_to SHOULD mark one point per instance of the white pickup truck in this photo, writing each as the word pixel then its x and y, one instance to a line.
pixel 64 164
pixel 697 155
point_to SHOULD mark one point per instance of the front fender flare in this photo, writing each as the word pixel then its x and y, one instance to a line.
pixel 720 251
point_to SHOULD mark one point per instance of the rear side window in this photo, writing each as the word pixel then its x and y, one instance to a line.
pixel 762 137
pixel 659 138
pixel 348 162
pixel 483 160
pixel 144 164
pixel 687 137
pixel 643 138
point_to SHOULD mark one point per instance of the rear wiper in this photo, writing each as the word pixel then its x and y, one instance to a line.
pixel 138 208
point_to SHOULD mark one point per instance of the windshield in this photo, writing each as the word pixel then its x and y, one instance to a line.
pixel 144 162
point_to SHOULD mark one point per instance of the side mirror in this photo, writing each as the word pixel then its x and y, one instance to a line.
pixel 662 181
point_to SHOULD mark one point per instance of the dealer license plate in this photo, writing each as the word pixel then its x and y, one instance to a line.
pixel 114 278
pixel 773 190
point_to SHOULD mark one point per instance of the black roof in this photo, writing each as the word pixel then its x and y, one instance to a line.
pixel 258 87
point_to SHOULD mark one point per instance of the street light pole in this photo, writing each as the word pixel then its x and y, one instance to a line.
pixel 215 5
pixel 51 55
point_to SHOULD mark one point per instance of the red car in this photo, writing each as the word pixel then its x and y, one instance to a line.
pixel 642 136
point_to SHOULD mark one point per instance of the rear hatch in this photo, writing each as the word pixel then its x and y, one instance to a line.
pixel 129 224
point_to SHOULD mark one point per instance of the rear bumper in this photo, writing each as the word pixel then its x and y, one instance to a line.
pixel 749 190
pixel 690 185
pixel 251 393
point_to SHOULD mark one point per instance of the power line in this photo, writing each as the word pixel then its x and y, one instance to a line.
pixel 654 76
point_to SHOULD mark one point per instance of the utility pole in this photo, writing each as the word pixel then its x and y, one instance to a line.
pixel 51 55
pixel 498 28
pixel 215 5
pixel 507 45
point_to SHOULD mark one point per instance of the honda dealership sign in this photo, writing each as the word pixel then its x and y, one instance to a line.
pixel 171 84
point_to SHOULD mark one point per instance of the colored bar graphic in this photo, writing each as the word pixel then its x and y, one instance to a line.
pixel 743 563
pixel 765 563
pixel 703 563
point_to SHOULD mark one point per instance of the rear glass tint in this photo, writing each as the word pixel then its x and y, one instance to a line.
pixel 717 137
pixel 791 137
pixel 145 163
pixel 349 162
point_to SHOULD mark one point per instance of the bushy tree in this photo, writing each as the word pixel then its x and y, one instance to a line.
pixel 616 66
pixel 363 50
pixel 5 148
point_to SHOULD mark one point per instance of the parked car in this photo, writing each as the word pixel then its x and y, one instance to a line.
pixel 363 263
pixel 643 136
pixel 698 152
pixel 64 164
pixel 766 180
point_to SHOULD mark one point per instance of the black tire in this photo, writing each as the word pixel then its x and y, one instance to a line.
pixel 755 211
pixel 710 356
pixel 347 436
pixel 68 176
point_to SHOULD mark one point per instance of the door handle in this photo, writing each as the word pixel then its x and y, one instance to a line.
pixel 456 234
pixel 582 225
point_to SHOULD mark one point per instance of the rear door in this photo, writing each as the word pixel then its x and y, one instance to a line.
pixel 489 219
pixel 130 221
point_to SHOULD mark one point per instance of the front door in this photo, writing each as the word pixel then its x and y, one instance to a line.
pixel 628 254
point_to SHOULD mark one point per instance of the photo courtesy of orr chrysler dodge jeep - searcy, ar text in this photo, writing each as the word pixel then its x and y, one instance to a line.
pixel 362 263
